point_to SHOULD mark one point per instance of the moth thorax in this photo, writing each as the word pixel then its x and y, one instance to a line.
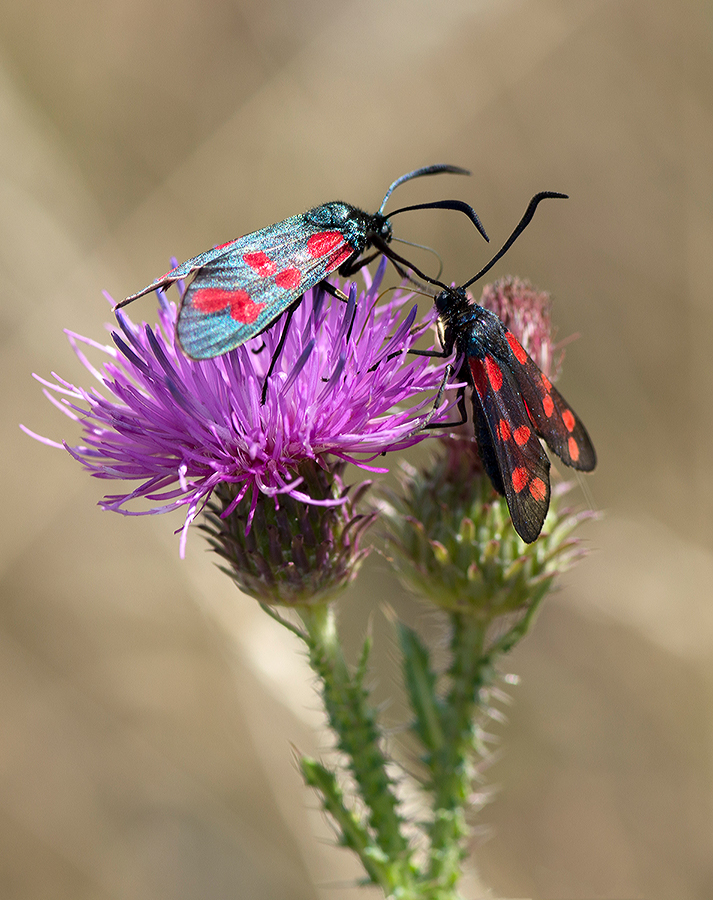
pixel 331 215
pixel 351 222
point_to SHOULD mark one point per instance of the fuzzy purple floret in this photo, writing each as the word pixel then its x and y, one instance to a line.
pixel 180 427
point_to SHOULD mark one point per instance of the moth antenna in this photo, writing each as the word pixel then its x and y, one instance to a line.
pixel 417 173
pixel 520 227
pixel 458 205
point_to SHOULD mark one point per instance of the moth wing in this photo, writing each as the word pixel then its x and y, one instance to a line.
pixel 191 265
pixel 241 292
pixel 522 463
pixel 555 421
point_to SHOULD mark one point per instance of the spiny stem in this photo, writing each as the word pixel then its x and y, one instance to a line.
pixel 470 671
pixel 352 833
pixel 354 722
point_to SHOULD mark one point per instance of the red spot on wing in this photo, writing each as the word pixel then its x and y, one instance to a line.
pixel 340 257
pixel 546 381
pixel 504 430
pixel 516 348
pixel 522 435
pixel 548 404
pixel 223 246
pixel 211 300
pixel 520 478
pixel 238 303
pixel 573 448
pixel 495 376
pixel 538 489
pixel 260 262
pixel 321 244
pixel 478 373
pixel 245 310
pixel 288 278
pixel 569 420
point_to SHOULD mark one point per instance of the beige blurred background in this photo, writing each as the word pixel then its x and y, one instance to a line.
pixel 147 709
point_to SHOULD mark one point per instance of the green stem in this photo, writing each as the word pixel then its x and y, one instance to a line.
pixel 421 684
pixel 354 722
pixel 515 634
pixel 469 672
pixel 352 832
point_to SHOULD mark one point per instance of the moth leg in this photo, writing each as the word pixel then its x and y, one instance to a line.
pixel 335 292
pixel 278 349
pixel 438 354
pixel 353 265
pixel 439 396
pixel 461 406
pixel 351 323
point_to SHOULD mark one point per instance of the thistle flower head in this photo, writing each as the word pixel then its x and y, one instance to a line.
pixel 296 554
pixel 525 311
pixel 179 428
pixel 451 539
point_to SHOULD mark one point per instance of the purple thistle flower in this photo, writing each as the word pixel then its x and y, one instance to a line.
pixel 181 428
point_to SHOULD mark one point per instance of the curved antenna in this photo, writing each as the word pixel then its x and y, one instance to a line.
pixel 459 205
pixel 521 226
pixel 398 263
pixel 417 173
pixel 423 247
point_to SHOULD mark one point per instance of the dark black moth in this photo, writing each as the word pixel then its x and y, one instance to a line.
pixel 514 403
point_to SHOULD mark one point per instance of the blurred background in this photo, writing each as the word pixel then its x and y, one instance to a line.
pixel 147 708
